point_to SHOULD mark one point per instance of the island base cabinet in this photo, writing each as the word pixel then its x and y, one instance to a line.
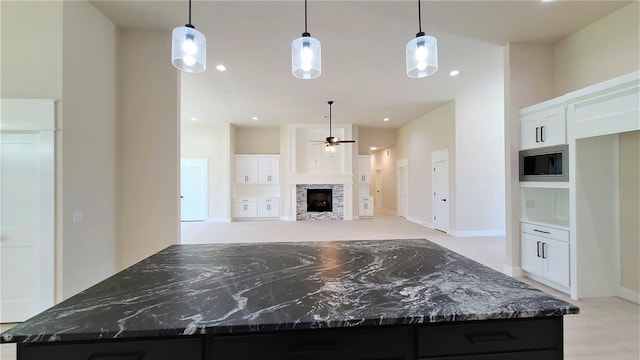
pixel 537 338
pixel 530 355
pixel 335 344
pixel 166 349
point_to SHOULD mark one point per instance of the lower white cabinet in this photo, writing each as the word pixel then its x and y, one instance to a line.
pixel 366 206
pixel 256 208
pixel 545 253
pixel 269 208
pixel 245 208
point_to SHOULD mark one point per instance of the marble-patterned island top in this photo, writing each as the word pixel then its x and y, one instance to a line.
pixel 230 288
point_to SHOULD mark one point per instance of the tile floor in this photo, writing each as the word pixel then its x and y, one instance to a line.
pixel 606 328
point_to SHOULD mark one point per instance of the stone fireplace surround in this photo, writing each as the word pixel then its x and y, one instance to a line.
pixel 337 199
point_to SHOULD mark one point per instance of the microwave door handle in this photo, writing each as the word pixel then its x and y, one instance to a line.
pixel 542 133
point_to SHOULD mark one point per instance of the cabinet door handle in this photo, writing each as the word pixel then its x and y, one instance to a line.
pixel 542 133
pixel 544 256
pixel 537 137
pixel 538 249
pixel 541 231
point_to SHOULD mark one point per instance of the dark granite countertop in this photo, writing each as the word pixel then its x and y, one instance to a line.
pixel 230 288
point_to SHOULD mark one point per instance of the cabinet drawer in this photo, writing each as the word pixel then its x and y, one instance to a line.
pixel 168 349
pixel 490 337
pixel 323 344
pixel 545 231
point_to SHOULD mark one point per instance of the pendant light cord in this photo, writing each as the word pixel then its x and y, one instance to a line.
pixel 419 16
pixel 305 15
pixel 189 12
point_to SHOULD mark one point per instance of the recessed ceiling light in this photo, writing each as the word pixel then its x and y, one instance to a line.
pixel 254 118
pixel 193 119
pixel 547 0
pixel 373 148
pixel 221 67
pixel 385 119
pixel 454 73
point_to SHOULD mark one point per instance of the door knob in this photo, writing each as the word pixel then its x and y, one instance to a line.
pixel 181 197
pixel 445 200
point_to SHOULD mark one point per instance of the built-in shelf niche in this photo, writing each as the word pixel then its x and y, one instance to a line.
pixel 546 205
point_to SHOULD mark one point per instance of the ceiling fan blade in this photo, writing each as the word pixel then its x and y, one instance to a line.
pixel 347 141
pixel 317 141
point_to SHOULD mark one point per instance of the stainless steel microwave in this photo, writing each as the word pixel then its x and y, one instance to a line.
pixel 545 164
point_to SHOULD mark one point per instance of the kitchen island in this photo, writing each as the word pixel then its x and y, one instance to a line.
pixel 389 299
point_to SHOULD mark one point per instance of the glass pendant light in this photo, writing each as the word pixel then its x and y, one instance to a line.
pixel 422 53
pixel 189 48
pixel 305 54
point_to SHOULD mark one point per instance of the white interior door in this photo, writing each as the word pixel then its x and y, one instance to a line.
pixel 441 195
pixel 378 198
pixel 193 189
pixel 26 224
pixel 403 191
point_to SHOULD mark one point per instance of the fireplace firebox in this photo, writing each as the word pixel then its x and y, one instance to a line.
pixel 319 200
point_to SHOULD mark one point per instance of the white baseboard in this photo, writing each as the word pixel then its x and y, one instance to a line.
pixel 476 233
pixel 630 295
pixel 420 222
pixel 218 219
pixel 512 271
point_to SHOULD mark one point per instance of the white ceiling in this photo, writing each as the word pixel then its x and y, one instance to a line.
pixel 363 43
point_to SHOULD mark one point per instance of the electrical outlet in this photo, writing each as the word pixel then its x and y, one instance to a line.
pixel 77 216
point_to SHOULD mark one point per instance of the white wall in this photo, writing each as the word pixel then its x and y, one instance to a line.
pixel 32 29
pixel 603 50
pixel 374 136
pixel 416 140
pixel 211 141
pixel 629 153
pixel 528 79
pixel 44 33
pixel 480 167
pixel 148 145
pixel 257 140
pixel 89 147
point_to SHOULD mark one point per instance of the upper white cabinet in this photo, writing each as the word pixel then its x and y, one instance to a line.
pixel 364 169
pixel 246 169
pixel 268 169
pixel 544 127
pixel 257 169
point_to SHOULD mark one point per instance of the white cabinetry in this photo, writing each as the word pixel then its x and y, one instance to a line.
pixel 245 208
pixel 545 253
pixel 246 169
pixel 364 169
pixel 366 206
pixel 541 128
pixel 257 169
pixel 268 169
pixel 269 208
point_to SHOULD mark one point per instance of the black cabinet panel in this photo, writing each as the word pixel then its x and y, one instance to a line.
pixel 170 349
pixel 482 337
pixel 334 344
pixel 530 355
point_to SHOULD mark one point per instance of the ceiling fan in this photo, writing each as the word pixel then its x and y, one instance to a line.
pixel 331 141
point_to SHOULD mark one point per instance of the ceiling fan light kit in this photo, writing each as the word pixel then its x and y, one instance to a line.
pixel 189 48
pixel 306 61
pixel 422 53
